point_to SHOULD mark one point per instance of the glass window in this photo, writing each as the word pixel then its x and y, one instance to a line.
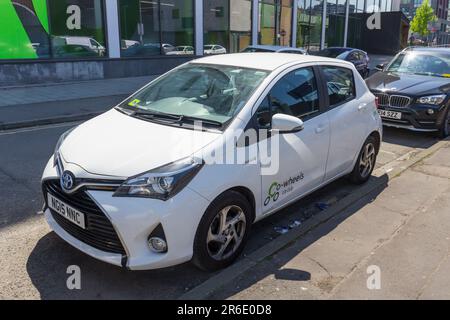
pixel 295 94
pixel 227 25
pixel 340 84
pixel 275 20
pixel 335 23
pixel 204 92
pixel 24 30
pixel 156 27
pixel 77 29
pixel 309 24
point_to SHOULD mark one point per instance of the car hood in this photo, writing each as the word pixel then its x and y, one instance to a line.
pixel 117 145
pixel 410 84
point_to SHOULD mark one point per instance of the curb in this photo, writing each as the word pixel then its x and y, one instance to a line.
pixel 217 281
pixel 48 121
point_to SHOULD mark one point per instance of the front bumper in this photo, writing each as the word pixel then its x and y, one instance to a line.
pixel 416 117
pixel 133 220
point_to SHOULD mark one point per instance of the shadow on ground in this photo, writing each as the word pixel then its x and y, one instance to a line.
pixel 409 138
pixel 273 266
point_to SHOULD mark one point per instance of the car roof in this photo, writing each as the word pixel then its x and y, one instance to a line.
pixel 427 49
pixel 345 49
pixel 264 61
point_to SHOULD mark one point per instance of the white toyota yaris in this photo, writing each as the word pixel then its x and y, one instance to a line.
pixel 182 169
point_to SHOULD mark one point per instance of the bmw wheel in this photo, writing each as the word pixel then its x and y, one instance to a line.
pixel 366 162
pixel 223 232
pixel 444 131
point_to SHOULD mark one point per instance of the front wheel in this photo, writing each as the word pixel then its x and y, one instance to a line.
pixel 444 130
pixel 366 162
pixel 222 232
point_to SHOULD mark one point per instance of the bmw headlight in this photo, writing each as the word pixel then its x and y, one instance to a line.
pixel 58 145
pixel 163 182
pixel 434 100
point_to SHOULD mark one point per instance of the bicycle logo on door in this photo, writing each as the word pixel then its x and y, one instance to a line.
pixel 274 193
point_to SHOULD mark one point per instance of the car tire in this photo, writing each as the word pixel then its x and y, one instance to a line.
pixel 365 164
pixel 213 233
pixel 444 130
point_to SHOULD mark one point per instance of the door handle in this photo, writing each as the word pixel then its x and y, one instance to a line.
pixel 362 106
pixel 320 129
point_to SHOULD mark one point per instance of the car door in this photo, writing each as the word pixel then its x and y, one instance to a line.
pixel 347 118
pixel 299 162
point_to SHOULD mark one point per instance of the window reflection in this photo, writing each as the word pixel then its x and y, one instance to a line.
pixel 77 28
pixel 227 25
pixel 275 20
pixel 156 27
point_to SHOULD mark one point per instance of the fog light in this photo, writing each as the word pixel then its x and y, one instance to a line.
pixel 430 111
pixel 157 245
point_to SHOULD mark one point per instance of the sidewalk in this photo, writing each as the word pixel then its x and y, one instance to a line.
pixel 404 230
pixel 62 102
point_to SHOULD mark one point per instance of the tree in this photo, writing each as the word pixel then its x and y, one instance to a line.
pixel 424 16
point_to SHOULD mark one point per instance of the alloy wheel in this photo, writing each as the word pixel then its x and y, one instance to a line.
pixel 226 232
pixel 367 161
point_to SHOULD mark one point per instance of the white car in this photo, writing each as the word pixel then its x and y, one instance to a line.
pixel 214 49
pixel 145 185
pixel 181 50
pixel 85 42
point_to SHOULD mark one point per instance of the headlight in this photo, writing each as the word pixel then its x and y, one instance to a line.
pixel 163 182
pixel 434 100
pixel 58 145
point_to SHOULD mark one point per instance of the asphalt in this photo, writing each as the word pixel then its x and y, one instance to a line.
pixel 36 259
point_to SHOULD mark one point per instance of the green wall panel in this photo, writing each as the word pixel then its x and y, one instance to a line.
pixel 14 41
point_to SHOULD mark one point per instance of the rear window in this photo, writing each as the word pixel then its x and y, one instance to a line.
pixel 340 84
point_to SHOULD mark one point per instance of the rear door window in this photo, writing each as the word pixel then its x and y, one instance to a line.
pixel 340 85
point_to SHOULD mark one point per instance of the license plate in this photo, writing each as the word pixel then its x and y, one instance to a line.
pixel 66 211
pixel 390 114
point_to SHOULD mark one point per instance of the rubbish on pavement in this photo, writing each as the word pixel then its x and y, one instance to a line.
pixel 295 224
pixel 322 206
pixel 281 230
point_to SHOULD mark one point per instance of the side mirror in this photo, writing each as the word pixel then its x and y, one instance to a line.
pixel 284 123
pixel 380 67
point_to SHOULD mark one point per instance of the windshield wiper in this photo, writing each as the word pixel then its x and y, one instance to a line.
pixel 153 115
pixel 156 115
pixel 215 123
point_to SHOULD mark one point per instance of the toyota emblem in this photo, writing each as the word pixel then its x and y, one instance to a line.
pixel 67 180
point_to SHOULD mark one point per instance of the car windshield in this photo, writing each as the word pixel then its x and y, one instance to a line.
pixel 208 47
pixel 179 48
pixel 423 63
pixel 211 93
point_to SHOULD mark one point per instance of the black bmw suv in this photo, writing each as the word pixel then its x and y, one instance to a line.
pixel 413 90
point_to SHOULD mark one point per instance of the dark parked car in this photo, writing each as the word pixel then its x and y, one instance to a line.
pixel 413 90
pixel 280 49
pixel 358 57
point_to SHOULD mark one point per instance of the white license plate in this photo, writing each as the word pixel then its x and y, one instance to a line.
pixel 390 114
pixel 66 211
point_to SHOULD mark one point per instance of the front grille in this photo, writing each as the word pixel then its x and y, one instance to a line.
pixel 396 101
pixel 383 99
pixel 399 101
pixel 99 232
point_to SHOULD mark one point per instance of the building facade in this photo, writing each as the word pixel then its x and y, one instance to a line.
pixel 44 40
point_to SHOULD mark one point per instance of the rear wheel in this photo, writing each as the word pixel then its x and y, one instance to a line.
pixel 366 162
pixel 222 232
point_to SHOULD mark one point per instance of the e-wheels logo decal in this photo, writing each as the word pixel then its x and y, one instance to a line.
pixel 276 189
